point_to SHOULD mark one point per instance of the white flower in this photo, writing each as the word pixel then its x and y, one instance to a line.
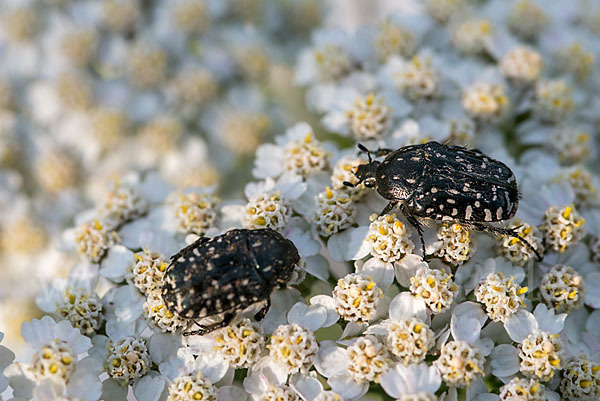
pixel 522 389
pixel 297 151
pixel 435 287
pixel 486 102
pixel 75 302
pixel 334 211
pixel 461 360
pixel 562 288
pixel 562 228
pixel 553 100
pixel 6 358
pixel 540 350
pixel 93 239
pixel 580 380
pixel 388 238
pixel 455 244
pixel 356 298
pixel 500 295
pixel 412 382
pixel 196 212
pixel 527 18
pixel 192 387
pixel 59 355
pixel 473 36
pixel 521 65
pixel 294 347
pixel 330 58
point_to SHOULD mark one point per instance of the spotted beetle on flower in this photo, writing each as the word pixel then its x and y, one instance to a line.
pixel 444 182
pixel 228 273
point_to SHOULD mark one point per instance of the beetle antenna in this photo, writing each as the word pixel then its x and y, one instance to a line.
pixel 349 184
pixel 367 151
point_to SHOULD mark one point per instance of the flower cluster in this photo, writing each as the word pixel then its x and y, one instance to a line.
pixel 210 200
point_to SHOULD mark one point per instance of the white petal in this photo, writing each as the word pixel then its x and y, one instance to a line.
pixel 331 360
pixel 592 287
pixel 592 325
pixel 113 390
pixel 268 161
pixel 308 387
pixel 382 273
pixel 466 329
pixel 347 388
pixel 470 310
pixel 38 332
pixel 547 320
pixel 231 393
pixel 353 329
pixel 393 383
pixel 72 336
pixel 162 346
pixel 405 306
pixel 150 388
pixel 303 240
pixel 520 325
pixel 84 385
pixel 504 360
pixel 281 303
pixel 485 397
pixel 116 262
pixel 329 304
pixel 318 267
pixel 349 244
pixel 312 317
pixel 213 367
pixel 407 267
pixel 477 388
pixel 18 377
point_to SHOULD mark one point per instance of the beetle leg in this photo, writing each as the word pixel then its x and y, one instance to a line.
pixel 207 329
pixel 263 311
pixel 388 208
pixel 415 223
pixel 508 232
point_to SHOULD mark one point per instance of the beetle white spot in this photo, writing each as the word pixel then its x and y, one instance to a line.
pixel 451 201
pixel 453 191
pixel 468 212
pixel 488 215
pixel 230 296
pixel 499 213
pixel 454 212
pixel 196 252
pixel 415 158
pixel 441 207
pixel 433 190
pixel 429 211
pixel 411 180
pixel 191 259
pixel 245 281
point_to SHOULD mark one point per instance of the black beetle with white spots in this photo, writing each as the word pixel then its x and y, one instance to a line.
pixel 228 273
pixel 444 182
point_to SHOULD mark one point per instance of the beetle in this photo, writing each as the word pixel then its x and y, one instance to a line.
pixel 226 274
pixel 444 182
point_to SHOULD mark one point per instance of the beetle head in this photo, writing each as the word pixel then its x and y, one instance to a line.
pixel 365 172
